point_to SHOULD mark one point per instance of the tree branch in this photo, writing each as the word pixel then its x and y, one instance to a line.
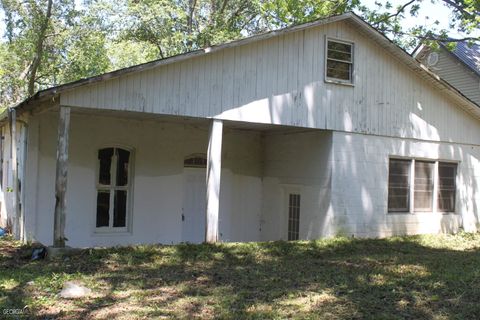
pixel 224 5
pixel 461 9
pixel 434 37
pixel 396 14
pixel 39 49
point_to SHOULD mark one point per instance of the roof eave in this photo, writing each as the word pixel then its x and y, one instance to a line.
pixel 417 66
pixel 377 36
pixel 42 94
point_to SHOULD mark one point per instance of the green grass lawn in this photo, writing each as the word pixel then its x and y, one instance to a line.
pixel 422 277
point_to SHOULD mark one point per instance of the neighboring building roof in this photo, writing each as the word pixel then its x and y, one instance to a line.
pixel 469 55
pixel 358 23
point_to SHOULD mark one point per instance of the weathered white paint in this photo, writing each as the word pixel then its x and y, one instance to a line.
pixel 61 177
pixel 12 195
pixel 297 163
pixel 21 146
pixel 194 205
pixel 3 182
pixel 339 168
pixel 158 190
pixel 342 179
pixel 214 169
pixel 7 209
pixel 280 81
pixel 14 168
pixel 360 188
pixel 31 173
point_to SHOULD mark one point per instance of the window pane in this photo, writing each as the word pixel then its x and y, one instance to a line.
pixel 103 206
pixel 123 157
pixel 423 186
pixel 399 185
pixel 339 55
pixel 120 209
pixel 446 186
pixel 338 46
pixel 293 216
pixel 338 70
pixel 105 157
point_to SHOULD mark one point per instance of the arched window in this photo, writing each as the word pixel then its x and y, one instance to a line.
pixel 113 189
pixel 198 160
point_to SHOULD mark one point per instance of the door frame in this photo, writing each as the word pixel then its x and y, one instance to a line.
pixel 186 171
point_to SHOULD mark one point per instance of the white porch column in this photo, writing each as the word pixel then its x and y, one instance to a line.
pixel 214 168
pixel 61 177
pixel 14 168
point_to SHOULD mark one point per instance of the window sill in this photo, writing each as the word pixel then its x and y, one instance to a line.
pixel 398 212
pixel 340 82
pixel 111 232
pixel 418 213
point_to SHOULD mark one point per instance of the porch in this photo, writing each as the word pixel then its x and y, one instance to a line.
pixel 265 182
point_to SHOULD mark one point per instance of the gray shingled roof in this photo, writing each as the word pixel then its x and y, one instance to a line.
pixel 470 55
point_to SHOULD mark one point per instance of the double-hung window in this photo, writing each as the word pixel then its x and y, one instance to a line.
pixel 447 173
pixel 399 185
pixel 339 61
pixel 421 186
pixel 113 189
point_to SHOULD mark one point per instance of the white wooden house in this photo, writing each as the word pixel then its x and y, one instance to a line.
pixel 317 130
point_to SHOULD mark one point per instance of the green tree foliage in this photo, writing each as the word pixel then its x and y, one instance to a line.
pixel 464 19
pixel 282 13
pixel 176 26
pixel 50 42
pixel 47 43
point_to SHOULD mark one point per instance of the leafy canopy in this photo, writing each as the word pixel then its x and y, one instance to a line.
pixel 50 42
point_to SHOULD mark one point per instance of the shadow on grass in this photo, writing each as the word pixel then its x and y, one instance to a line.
pixel 340 278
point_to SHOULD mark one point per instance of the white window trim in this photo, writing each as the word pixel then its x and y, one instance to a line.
pixel 412 186
pixel 129 188
pixel 411 199
pixel 456 184
pixel 352 74
pixel 435 187
pixel 287 189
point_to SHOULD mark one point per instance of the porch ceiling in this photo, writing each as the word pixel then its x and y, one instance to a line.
pixel 139 116
pixel 270 128
pixel 228 125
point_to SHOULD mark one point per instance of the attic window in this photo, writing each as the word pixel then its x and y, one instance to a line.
pixel 339 61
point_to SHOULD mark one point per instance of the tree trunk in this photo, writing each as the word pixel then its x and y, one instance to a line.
pixel 191 11
pixel 39 49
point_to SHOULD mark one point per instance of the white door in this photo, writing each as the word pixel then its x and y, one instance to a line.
pixel 193 218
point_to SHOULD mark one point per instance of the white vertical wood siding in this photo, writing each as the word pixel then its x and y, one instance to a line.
pixel 280 81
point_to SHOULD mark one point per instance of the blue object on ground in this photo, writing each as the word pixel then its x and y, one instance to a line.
pixel 2 232
pixel 39 253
